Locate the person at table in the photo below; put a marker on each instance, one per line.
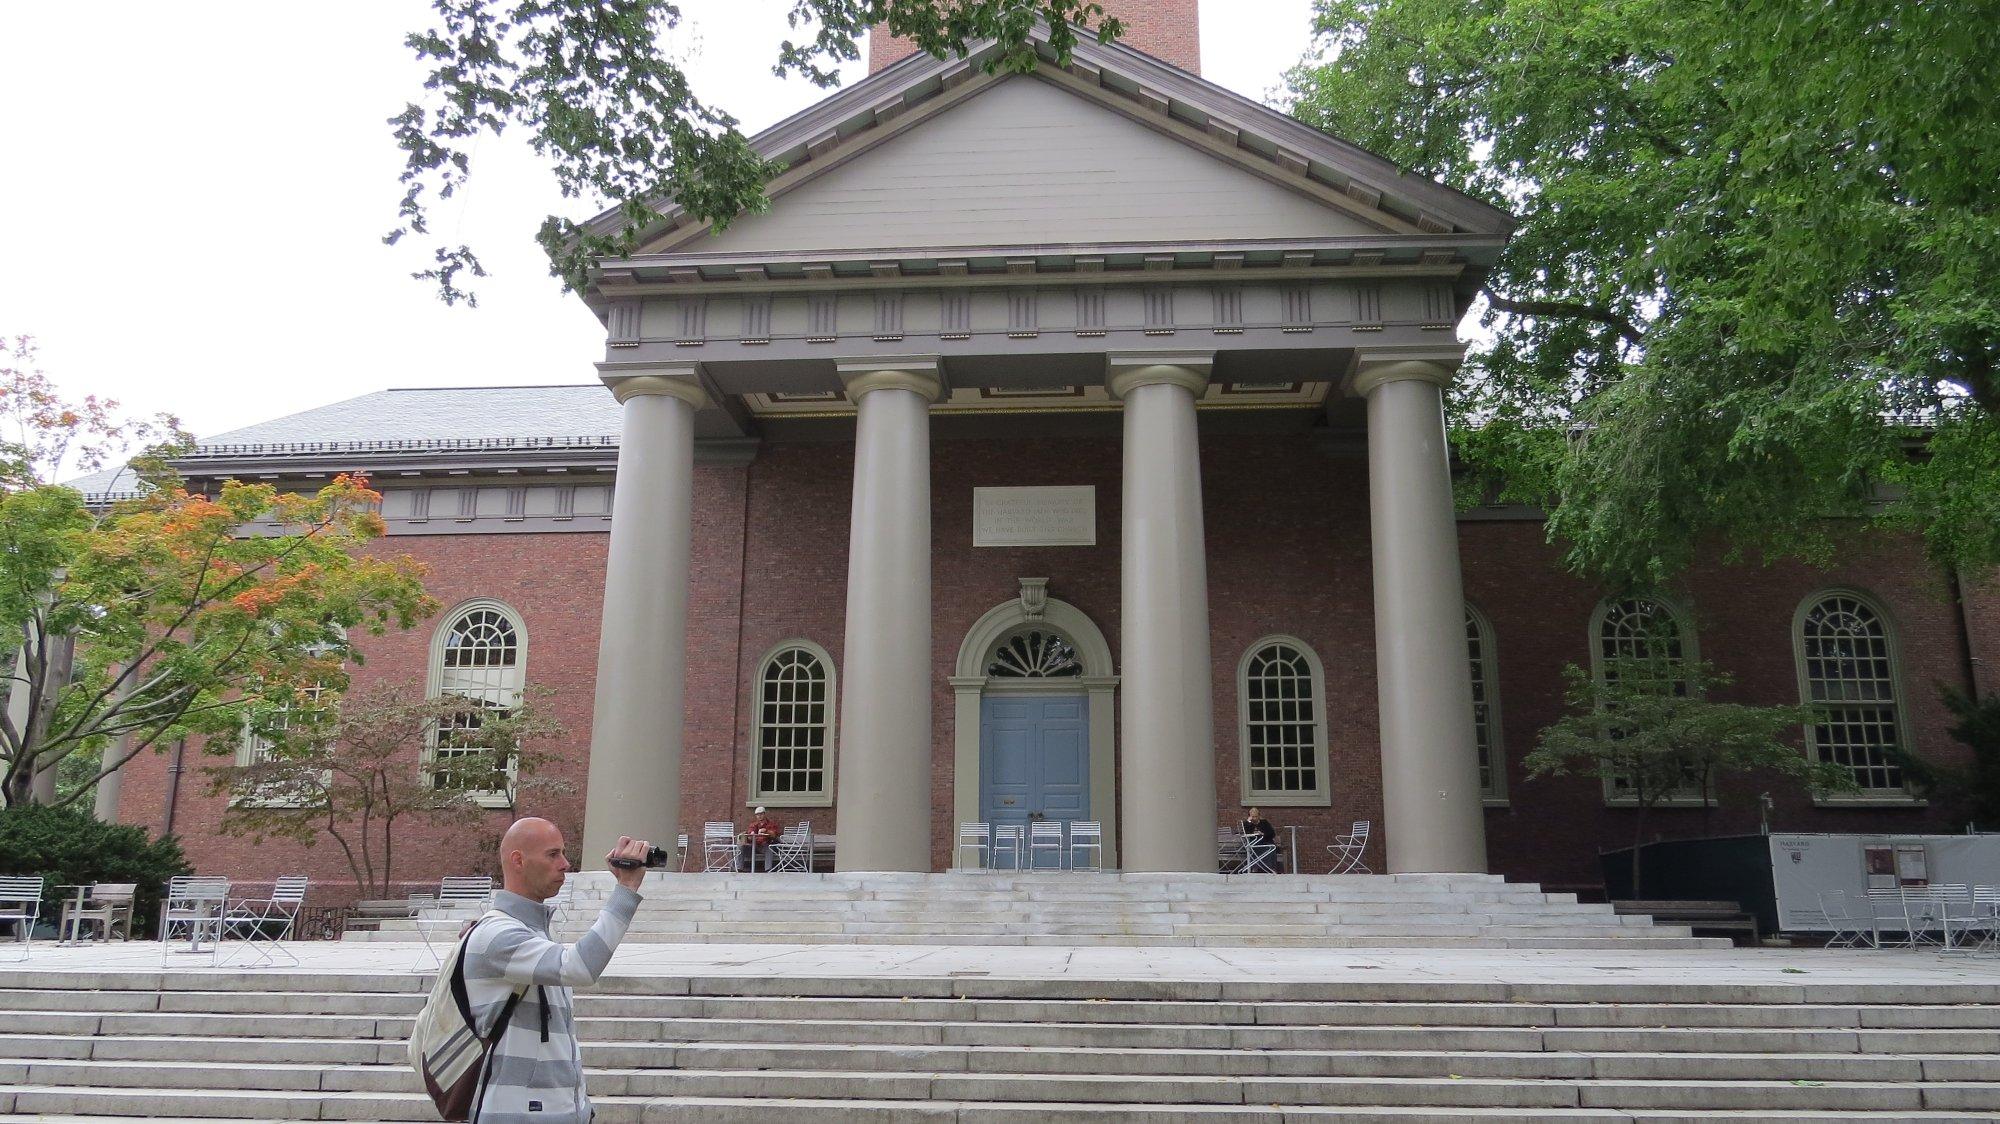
(757, 840)
(1263, 841)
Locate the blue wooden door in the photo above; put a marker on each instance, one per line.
(1034, 759)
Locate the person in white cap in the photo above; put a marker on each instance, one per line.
(763, 832)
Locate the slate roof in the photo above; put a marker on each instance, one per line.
(440, 414)
(496, 419)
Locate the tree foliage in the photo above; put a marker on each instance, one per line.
(148, 619)
(592, 85)
(1650, 726)
(1756, 250)
(354, 769)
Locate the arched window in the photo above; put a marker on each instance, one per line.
(479, 654)
(1281, 724)
(1037, 652)
(1485, 706)
(794, 759)
(1847, 670)
(1652, 638)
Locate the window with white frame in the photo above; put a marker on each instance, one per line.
(1847, 672)
(1281, 691)
(1485, 706)
(795, 693)
(1643, 636)
(480, 656)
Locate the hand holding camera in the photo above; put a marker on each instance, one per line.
(631, 857)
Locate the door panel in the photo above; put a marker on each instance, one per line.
(1034, 759)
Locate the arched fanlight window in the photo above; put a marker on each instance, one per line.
(479, 654)
(794, 757)
(1039, 652)
(1480, 656)
(1847, 671)
(1281, 724)
(1649, 637)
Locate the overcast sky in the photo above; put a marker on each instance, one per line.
(195, 196)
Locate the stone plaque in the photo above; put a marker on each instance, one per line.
(1034, 516)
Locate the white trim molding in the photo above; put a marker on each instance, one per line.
(1866, 798)
(1321, 794)
(824, 797)
(1099, 682)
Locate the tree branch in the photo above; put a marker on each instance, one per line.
(1626, 329)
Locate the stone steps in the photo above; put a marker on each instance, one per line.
(296, 1045)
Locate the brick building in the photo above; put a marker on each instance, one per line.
(1064, 445)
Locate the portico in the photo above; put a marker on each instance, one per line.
(1284, 273)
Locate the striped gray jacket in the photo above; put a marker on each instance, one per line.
(537, 1070)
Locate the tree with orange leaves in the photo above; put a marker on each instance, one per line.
(169, 614)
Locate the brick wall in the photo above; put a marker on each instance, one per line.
(1288, 552)
(1168, 30)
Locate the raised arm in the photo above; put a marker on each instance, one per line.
(522, 956)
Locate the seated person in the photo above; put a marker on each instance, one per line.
(763, 832)
(1263, 841)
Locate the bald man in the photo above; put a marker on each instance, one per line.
(536, 1073)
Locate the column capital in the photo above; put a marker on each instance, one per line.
(1378, 367)
(674, 380)
(923, 375)
(1126, 372)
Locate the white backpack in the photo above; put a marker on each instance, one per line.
(445, 1049)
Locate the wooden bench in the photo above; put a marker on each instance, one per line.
(1722, 917)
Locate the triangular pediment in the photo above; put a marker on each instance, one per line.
(1025, 162)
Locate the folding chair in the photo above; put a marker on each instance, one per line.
(460, 898)
(718, 847)
(1085, 835)
(1350, 851)
(1007, 838)
(1258, 856)
(196, 905)
(21, 905)
(263, 923)
(977, 838)
(1045, 835)
(1228, 850)
(1985, 919)
(792, 852)
(682, 846)
(107, 904)
(1849, 931)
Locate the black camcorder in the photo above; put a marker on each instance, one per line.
(657, 858)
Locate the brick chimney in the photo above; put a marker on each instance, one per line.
(1168, 30)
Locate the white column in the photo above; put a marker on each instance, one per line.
(883, 801)
(1435, 821)
(1168, 735)
(636, 730)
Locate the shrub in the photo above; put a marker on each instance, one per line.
(70, 847)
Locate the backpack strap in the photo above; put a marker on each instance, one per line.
(491, 1042)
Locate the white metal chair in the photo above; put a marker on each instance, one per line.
(1350, 851)
(977, 838)
(682, 847)
(21, 905)
(1228, 850)
(195, 904)
(1908, 910)
(1045, 835)
(263, 923)
(1085, 835)
(792, 852)
(460, 898)
(1008, 840)
(1259, 857)
(1849, 931)
(718, 847)
(108, 905)
(1985, 919)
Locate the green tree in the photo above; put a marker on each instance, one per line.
(1650, 726)
(590, 83)
(149, 618)
(357, 768)
(1755, 259)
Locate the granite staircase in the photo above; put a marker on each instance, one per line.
(271, 1045)
(1006, 908)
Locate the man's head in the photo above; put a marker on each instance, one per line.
(532, 859)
